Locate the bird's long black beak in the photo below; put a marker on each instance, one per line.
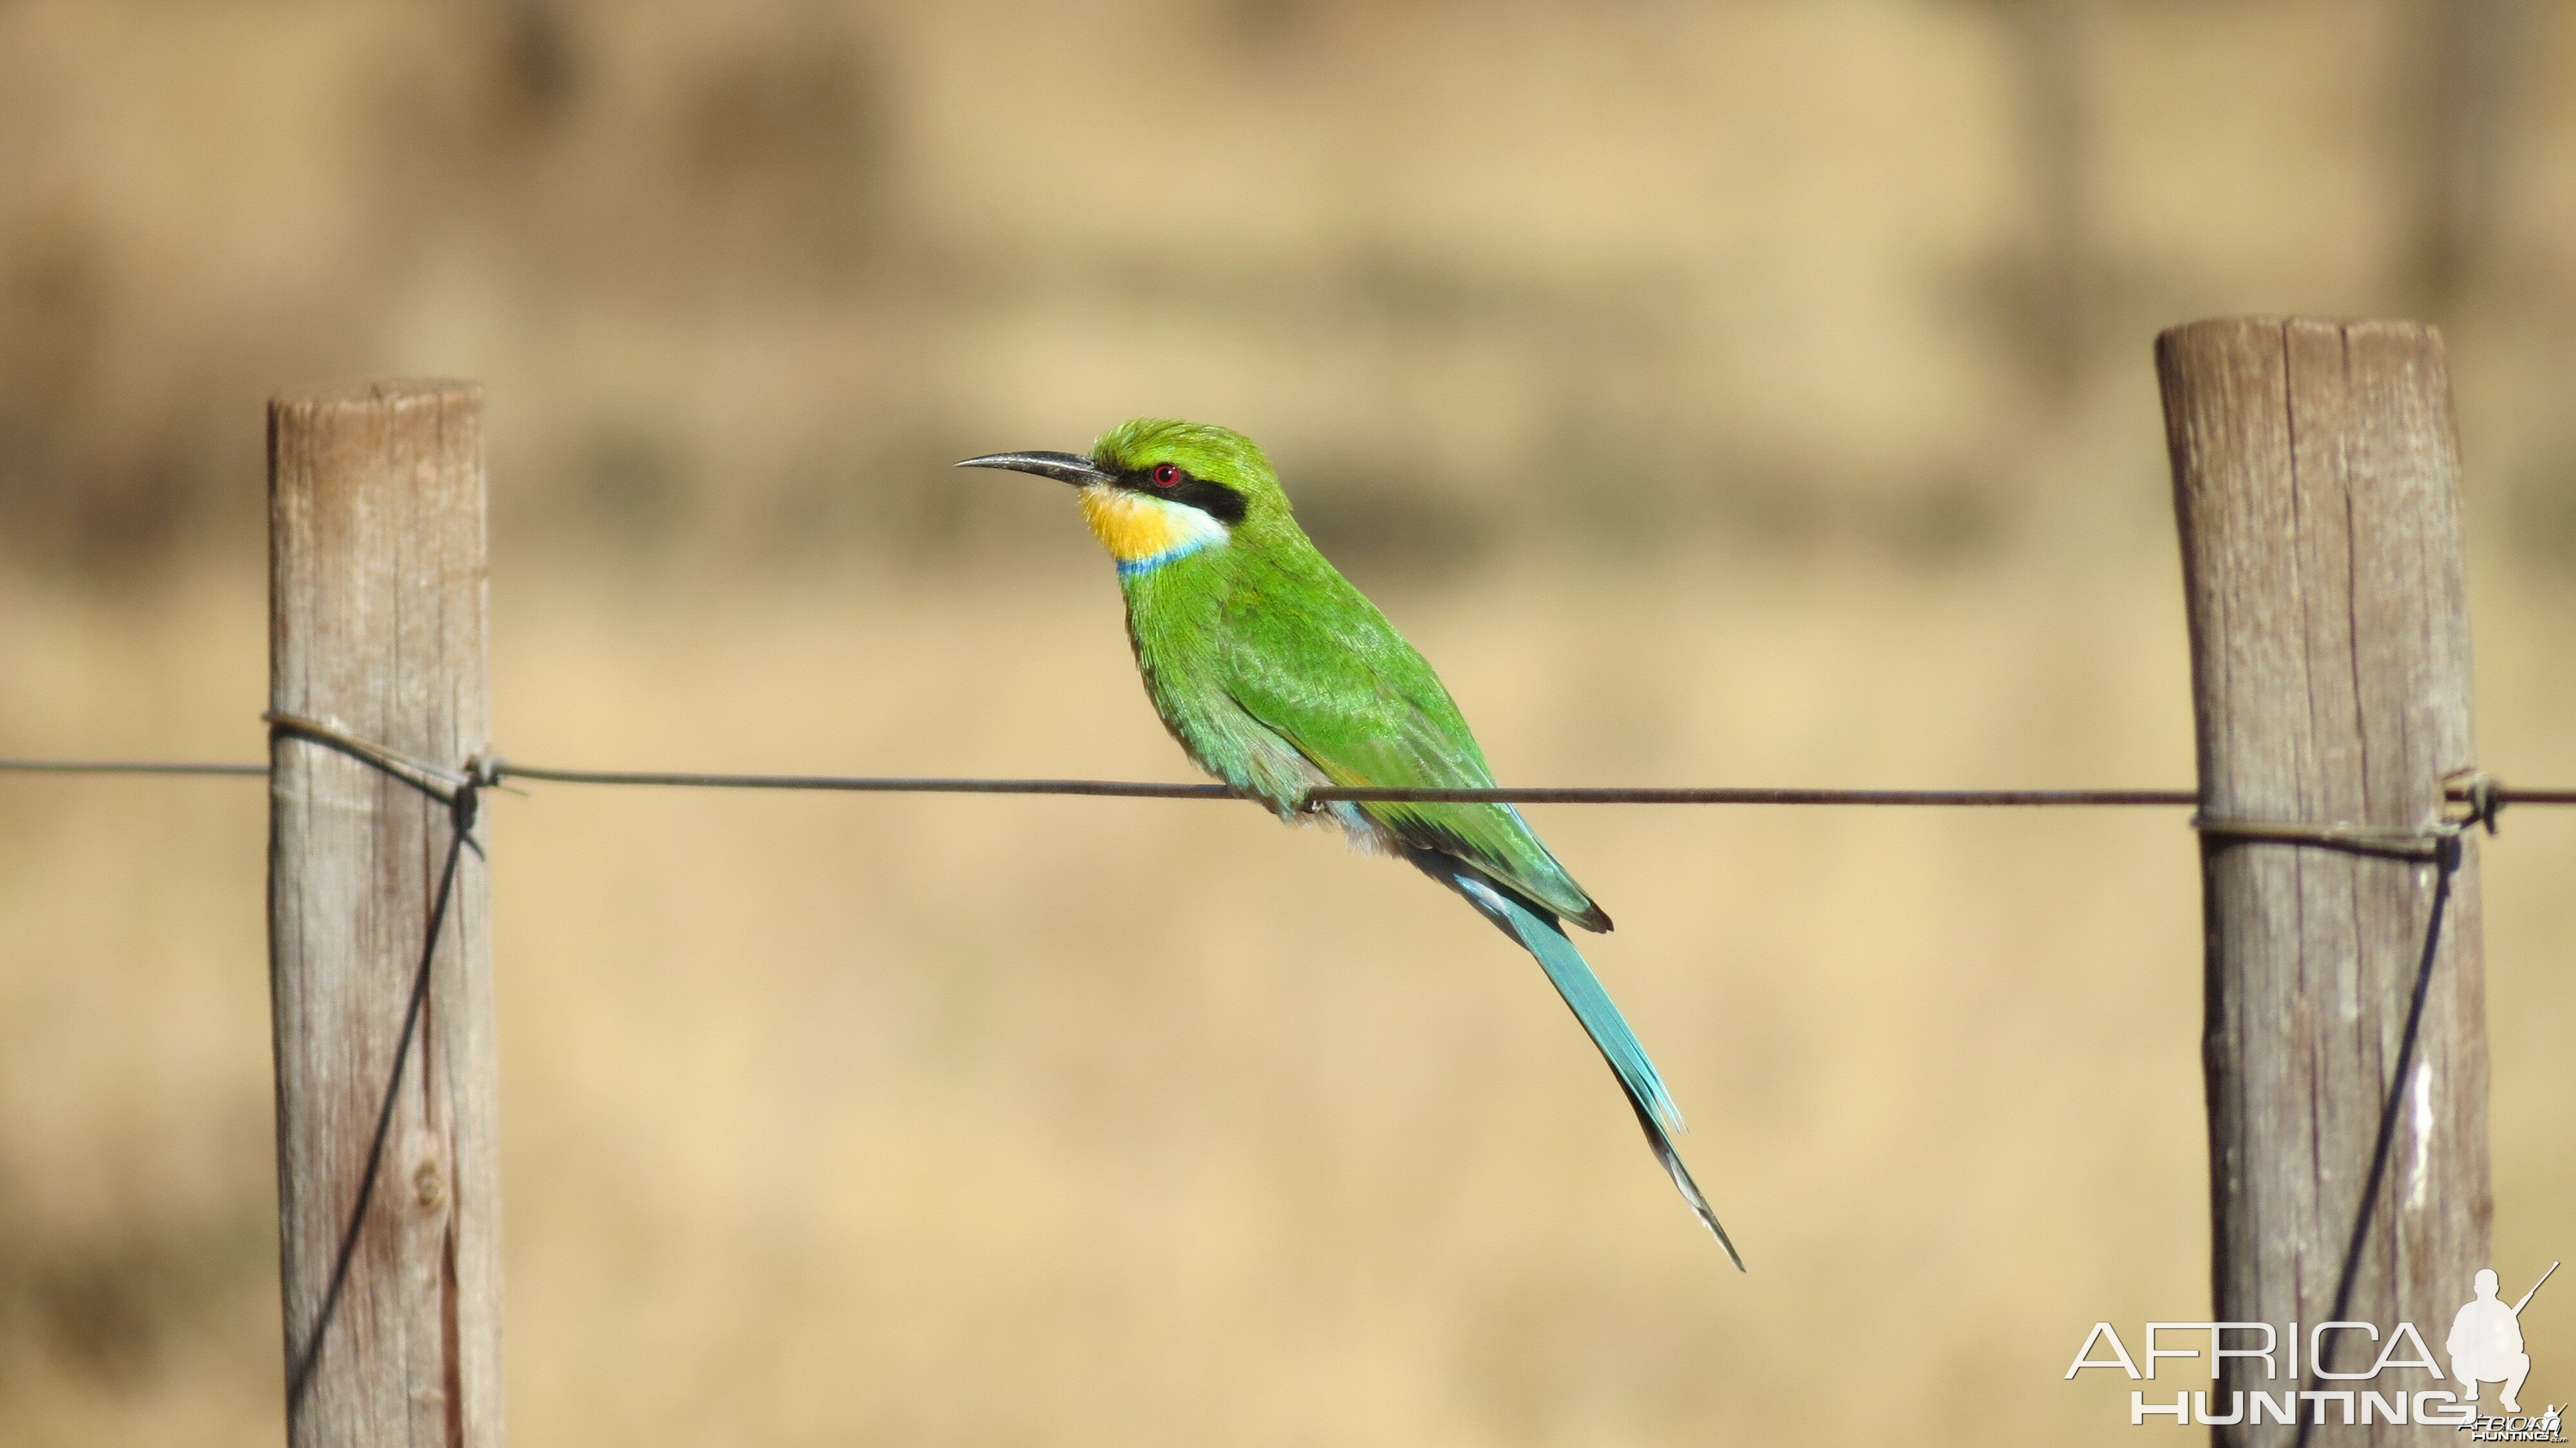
(1063, 467)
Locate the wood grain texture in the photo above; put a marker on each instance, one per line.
(377, 623)
(2316, 479)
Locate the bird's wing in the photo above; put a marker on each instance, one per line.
(1343, 687)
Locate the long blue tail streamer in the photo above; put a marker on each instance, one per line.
(1539, 934)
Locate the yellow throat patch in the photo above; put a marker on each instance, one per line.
(1142, 531)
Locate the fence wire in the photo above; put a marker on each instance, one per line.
(2438, 842)
(496, 770)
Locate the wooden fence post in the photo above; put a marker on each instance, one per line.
(388, 1172)
(2316, 479)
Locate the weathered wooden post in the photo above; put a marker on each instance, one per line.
(388, 1168)
(2316, 478)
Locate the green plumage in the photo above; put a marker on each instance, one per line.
(1277, 676)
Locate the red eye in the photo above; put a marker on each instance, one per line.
(1166, 475)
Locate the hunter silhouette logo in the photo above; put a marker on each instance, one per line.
(2486, 1341)
(2341, 1372)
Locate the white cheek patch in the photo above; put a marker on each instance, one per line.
(1144, 532)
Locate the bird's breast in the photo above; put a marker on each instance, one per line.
(1144, 532)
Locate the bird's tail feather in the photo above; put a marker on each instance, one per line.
(1539, 933)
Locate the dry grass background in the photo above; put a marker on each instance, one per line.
(1715, 393)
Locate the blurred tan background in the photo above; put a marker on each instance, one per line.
(1743, 393)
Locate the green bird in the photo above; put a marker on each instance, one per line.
(1277, 676)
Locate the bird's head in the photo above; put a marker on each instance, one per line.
(1155, 490)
